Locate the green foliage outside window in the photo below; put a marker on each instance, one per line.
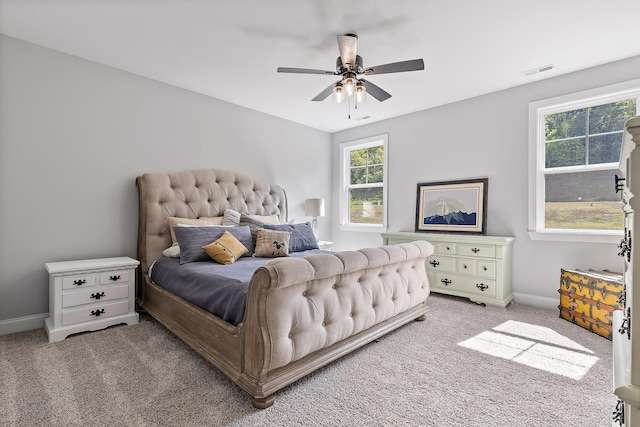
(366, 169)
(585, 136)
(581, 137)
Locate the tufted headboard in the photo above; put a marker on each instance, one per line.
(195, 194)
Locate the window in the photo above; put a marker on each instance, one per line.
(575, 146)
(363, 184)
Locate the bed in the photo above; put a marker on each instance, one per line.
(301, 312)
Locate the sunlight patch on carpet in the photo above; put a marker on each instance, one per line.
(534, 346)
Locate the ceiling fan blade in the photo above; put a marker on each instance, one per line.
(375, 91)
(304, 71)
(396, 67)
(323, 95)
(348, 43)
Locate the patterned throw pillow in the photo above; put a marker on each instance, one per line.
(271, 243)
(226, 250)
(302, 237)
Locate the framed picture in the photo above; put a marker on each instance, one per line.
(453, 206)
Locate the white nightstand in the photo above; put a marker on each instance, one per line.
(90, 294)
(324, 245)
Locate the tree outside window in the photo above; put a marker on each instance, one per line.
(582, 150)
(363, 190)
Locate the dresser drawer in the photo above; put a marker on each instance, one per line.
(487, 251)
(486, 269)
(98, 311)
(469, 285)
(75, 282)
(441, 263)
(90, 296)
(119, 276)
(445, 248)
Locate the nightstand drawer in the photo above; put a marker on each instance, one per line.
(488, 251)
(75, 282)
(90, 296)
(110, 277)
(94, 312)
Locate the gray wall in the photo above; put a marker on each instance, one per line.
(75, 134)
(486, 136)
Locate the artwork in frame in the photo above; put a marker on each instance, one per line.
(453, 206)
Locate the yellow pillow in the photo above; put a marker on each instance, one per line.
(272, 243)
(226, 250)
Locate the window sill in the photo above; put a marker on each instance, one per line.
(579, 236)
(363, 228)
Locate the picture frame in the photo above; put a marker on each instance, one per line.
(452, 206)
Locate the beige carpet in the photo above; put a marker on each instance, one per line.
(465, 366)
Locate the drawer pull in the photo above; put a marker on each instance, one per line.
(434, 262)
(475, 250)
(448, 248)
(618, 181)
(625, 328)
(484, 268)
(445, 281)
(622, 299)
(482, 286)
(79, 282)
(114, 278)
(97, 313)
(618, 414)
(464, 265)
(97, 295)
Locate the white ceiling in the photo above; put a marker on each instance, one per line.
(230, 50)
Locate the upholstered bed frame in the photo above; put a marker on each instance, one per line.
(301, 313)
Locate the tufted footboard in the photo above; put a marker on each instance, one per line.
(304, 313)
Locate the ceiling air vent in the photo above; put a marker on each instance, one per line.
(538, 70)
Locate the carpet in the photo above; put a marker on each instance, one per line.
(466, 365)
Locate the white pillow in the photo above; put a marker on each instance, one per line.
(172, 251)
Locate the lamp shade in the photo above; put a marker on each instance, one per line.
(314, 207)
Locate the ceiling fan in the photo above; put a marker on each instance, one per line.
(350, 66)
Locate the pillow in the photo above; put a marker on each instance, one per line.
(257, 221)
(226, 250)
(231, 218)
(172, 221)
(172, 251)
(302, 237)
(192, 239)
(267, 219)
(272, 243)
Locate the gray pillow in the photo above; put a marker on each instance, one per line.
(302, 237)
(192, 239)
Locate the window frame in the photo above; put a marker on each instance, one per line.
(345, 162)
(537, 111)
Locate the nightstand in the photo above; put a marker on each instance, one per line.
(91, 294)
(324, 245)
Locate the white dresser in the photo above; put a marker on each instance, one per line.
(91, 294)
(626, 322)
(471, 266)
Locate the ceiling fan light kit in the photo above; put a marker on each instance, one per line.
(349, 66)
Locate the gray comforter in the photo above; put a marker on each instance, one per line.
(219, 289)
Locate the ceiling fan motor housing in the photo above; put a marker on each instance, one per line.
(358, 68)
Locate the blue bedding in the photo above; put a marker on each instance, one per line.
(219, 289)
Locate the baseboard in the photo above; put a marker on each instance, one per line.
(21, 324)
(536, 301)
